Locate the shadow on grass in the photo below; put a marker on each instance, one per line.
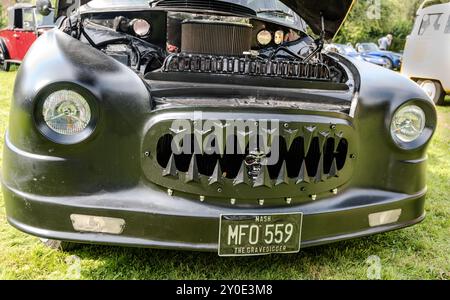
(446, 102)
(311, 263)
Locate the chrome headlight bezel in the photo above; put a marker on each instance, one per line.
(278, 37)
(268, 35)
(55, 136)
(136, 23)
(428, 128)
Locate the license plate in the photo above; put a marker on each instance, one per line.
(249, 235)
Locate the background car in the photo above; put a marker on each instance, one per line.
(348, 50)
(427, 58)
(24, 27)
(394, 60)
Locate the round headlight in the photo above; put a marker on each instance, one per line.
(264, 37)
(279, 37)
(66, 112)
(141, 27)
(408, 124)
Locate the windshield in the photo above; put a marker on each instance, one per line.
(346, 49)
(43, 21)
(273, 10)
(369, 47)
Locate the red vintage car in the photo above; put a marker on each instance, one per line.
(25, 25)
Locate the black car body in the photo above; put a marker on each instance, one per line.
(351, 137)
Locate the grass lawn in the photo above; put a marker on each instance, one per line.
(420, 252)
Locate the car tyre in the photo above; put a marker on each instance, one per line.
(434, 90)
(4, 66)
(389, 63)
(60, 245)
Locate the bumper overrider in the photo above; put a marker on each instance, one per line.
(125, 184)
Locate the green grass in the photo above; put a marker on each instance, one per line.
(420, 252)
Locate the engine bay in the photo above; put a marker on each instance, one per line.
(194, 42)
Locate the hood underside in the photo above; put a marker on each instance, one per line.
(334, 12)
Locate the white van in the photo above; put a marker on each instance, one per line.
(427, 52)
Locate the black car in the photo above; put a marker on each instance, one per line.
(210, 125)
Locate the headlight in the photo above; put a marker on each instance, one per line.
(66, 112)
(408, 124)
(279, 37)
(140, 27)
(264, 37)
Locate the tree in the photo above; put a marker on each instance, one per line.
(371, 19)
(2, 17)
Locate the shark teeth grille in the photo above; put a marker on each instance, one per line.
(312, 157)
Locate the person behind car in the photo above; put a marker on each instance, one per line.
(385, 42)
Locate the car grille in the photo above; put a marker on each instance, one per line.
(314, 158)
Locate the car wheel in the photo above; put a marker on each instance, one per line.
(4, 66)
(60, 245)
(434, 90)
(389, 63)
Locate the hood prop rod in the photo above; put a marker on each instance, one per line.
(319, 42)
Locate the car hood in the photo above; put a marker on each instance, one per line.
(372, 58)
(382, 52)
(393, 53)
(333, 11)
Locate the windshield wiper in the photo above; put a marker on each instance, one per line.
(276, 12)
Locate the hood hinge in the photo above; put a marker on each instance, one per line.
(320, 42)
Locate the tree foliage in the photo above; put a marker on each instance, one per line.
(2, 17)
(371, 19)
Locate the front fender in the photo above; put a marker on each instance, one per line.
(4, 45)
(381, 162)
(123, 101)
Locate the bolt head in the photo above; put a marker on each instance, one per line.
(288, 200)
(334, 191)
(314, 197)
(169, 192)
(233, 201)
(202, 198)
(261, 202)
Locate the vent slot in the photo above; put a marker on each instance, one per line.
(235, 65)
(207, 5)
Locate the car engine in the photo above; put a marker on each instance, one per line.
(186, 42)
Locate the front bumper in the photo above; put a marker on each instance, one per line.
(154, 219)
(42, 205)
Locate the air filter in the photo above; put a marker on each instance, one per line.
(215, 37)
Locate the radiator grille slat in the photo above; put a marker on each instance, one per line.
(233, 65)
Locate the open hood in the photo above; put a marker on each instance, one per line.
(333, 11)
